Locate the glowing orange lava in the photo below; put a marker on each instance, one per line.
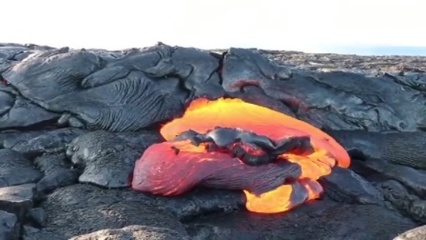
(175, 167)
(203, 115)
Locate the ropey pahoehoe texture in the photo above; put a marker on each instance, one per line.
(73, 122)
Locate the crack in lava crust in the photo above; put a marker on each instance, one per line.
(177, 166)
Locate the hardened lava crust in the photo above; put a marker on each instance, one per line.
(73, 122)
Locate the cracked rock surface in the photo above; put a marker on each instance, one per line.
(16, 169)
(74, 121)
(108, 158)
(18, 199)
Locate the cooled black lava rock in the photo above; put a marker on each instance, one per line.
(410, 177)
(183, 207)
(44, 75)
(16, 169)
(9, 52)
(38, 217)
(10, 138)
(31, 233)
(52, 141)
(133, 89)
(408, 203)
(346, 186)
(18, 199)
(14, 111)
(415, 80)
(385, 146)
(256, 95)
(9, 226)
(194, 67)
(336, 100)
(58, 172)
(247, 67)
(198, 202)
(108, 158)
(49, 163)
(316, 220)
(56, 179)
(116, 95)
(82, 209)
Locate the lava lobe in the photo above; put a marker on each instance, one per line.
(231, 144)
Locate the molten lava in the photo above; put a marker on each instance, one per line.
(177, 166)
(203, 115)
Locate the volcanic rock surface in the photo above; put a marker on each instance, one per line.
(73, 123)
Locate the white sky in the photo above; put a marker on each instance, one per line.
(305, 25)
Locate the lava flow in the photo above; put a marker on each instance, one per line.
(177, 166)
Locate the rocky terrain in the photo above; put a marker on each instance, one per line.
(74, 121)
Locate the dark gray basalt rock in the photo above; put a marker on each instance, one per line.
(9, 51)
(48, 147)
(16, 169)
(49, 163)
(14, 110)
(10, 138)
(16, 114)
(44, 74)
(256, 95)
(58, 178)
(82, 209)
(74, 210)
(410, 177)
(336, 100)
(374, 145)
(4, 65)
(398, 195)
(9, 226)
(38, 217)
(183, 207)
(31, 233)
(316, 220)
(246, 67)
(58, 172)
(196, 68)
(160, 79)
(18, 199)
(379, 152)
(52, 141)
(344, 185)
(198, 202)
(109, 95)
(115, 215)
(108, 158)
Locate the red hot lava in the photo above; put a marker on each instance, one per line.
(177, 166)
